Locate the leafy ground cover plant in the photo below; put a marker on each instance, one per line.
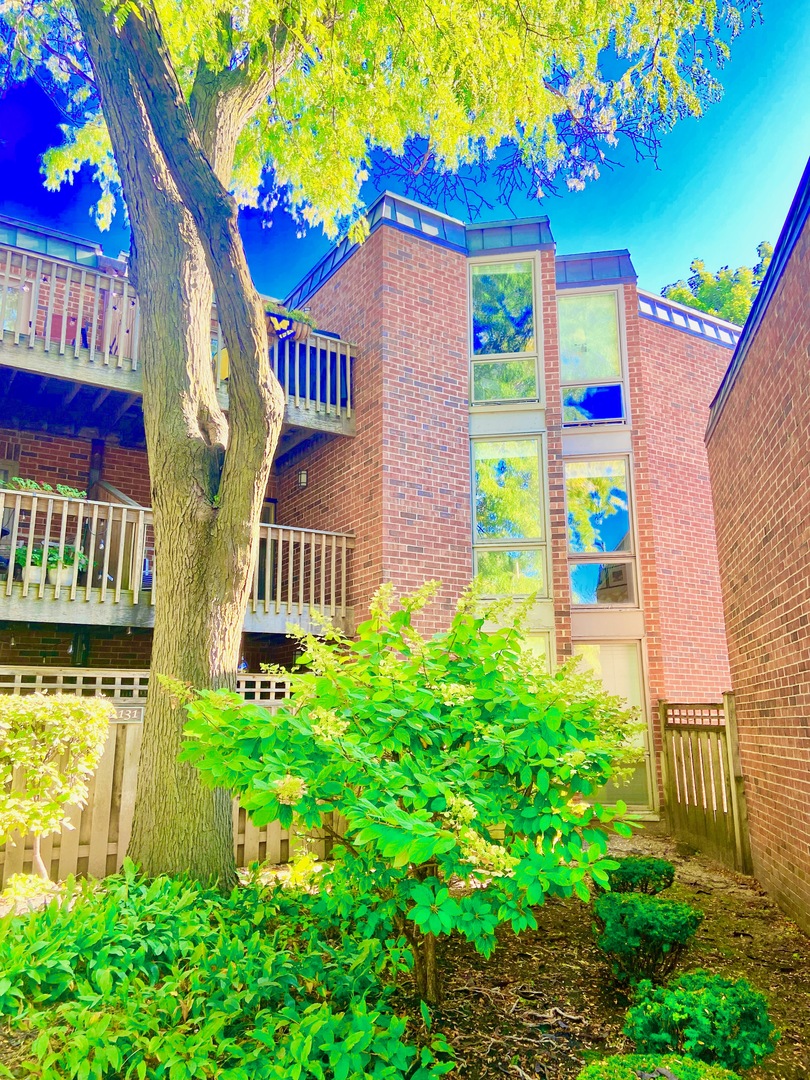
(50, 746)
(644, 936)
(641, 874)
(709, 1017)
(651, 1067)
(166, 979)
(463, 772)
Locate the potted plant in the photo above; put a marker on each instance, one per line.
(61, 570)
(56, 569)
(284, 324)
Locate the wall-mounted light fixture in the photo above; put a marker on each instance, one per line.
(302, 478)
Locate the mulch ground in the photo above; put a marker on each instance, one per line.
(544, 1003)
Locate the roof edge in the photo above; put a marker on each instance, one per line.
(795, 221)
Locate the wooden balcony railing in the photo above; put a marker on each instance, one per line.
(77, 558)
(85, 321)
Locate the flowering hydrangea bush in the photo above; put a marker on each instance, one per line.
(50, 746)
(464, 776)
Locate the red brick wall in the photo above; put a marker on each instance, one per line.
(402, 485)
(48, 645)
(759, 455)
(128, 470)
(673, 379)
(50, 459)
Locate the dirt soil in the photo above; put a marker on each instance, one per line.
(545, 1003)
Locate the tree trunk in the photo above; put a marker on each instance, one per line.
(208, 473)
(36, 859)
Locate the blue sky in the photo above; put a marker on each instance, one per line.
(723, 182)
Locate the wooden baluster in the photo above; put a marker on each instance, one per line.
(45, 546)
(333, 578)
(94, 329)
(279, 561)
(328, 353)
(122, 333)
(119, 566)
(323, 573)
(268, 569)
(301, 578)
(313, 552)
(4, 293)
(290, 569)
(49, 314)
(77, 544)
(91, 554)
(107, 544)
(276, 349)
(77, 344)
(317, 359)
(30, 545)
(136, 334)
(32, 328)
(20, 296)
(108, 318)
(295, 347)
(307, 374)
(66, 311)
(137, 558)
(343, 550)
(348, 362)
(15, 514)
(60, 555)
(254, 589)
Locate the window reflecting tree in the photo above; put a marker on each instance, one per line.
(503, 308)
(507, 489)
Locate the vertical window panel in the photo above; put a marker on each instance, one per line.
(598, 506)
(589, 337)
(507, 489)
(617, 664)
(503, 308)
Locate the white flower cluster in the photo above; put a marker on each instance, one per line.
(455, 693)
(326, 724)
(475, 849)
(290, 790)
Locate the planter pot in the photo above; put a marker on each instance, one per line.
(62, 574)
(302, 330)
(32, 575)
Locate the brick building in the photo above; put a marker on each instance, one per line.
(476, 403)
(758, 443)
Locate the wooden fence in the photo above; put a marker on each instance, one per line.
(97, 840)
(703, 783)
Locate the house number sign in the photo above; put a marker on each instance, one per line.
(129, 714)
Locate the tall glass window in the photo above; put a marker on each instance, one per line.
(590, 358)
(600, 539)
(504, 343)
(510, 556)
(618, 665)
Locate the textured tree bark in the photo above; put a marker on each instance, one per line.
(208, 472)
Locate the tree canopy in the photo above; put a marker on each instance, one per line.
(437, 87)
(727, 293)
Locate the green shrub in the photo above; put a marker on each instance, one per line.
(636, 1066)
(453, 760)
(50, 746)
(706, 1016)
(644, 936)
(641, 875)
(164, 979)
